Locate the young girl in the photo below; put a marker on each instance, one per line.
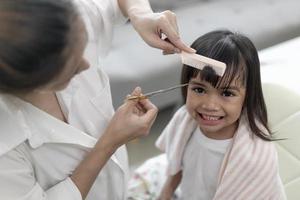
(218, 145)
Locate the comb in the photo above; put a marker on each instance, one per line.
(199, 62)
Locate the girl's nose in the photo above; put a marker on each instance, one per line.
(211, 104)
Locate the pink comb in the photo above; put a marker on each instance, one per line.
(199, 62)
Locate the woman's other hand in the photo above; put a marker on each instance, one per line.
(132, 120)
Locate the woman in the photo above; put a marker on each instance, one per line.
(60, 137)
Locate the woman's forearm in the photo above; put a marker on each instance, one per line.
(87, 171)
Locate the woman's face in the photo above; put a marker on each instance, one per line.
(76, 62)
(216, 110)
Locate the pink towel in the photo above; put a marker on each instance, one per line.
(250, 167)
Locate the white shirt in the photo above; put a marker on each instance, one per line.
(201, 162)
(38, 153)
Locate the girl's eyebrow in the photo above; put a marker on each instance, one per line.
(231, 88)
(197, 83)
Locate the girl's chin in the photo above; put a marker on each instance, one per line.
(61, 86)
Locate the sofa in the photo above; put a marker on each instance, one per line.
(281, 86)
(131, 62)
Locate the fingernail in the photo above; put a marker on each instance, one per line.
(138, 89)
(193, 50)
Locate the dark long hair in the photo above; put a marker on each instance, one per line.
(241, 58)
(34, 35)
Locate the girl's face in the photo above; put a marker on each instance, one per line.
(216, 110)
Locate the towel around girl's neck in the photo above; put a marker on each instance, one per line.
(250, 166)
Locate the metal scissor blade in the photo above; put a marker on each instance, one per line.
(150, 94)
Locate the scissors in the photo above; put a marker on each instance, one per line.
(151, 94)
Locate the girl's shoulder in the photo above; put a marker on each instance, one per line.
(177, 130)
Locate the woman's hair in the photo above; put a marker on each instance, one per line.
(34, 36)
(241, 59)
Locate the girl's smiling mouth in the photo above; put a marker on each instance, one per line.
(210, 119)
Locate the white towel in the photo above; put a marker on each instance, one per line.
(250, 167)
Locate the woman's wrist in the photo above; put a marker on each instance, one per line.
(137, 12)
(106, 144)
(88, 169)
(135, 8)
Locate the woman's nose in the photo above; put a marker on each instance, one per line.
(85, 64)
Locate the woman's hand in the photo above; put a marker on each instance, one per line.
(131, 120)
(152, 27)
(158, 30)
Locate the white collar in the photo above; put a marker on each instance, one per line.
(21, 121)
(12, 131)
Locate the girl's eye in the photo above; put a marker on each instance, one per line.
(227, 93)
(198, 90)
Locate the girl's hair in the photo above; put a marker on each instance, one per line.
(34, 36)
(241, 58)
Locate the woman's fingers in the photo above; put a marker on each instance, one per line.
(151, 26)
(150, 111)
(168, 26)
(132, 119)
(156, 41)
(137, 91)
(147, 110)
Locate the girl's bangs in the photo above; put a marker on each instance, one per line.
(226, 52)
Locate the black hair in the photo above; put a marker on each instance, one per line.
(34, 35)
(242, 62)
